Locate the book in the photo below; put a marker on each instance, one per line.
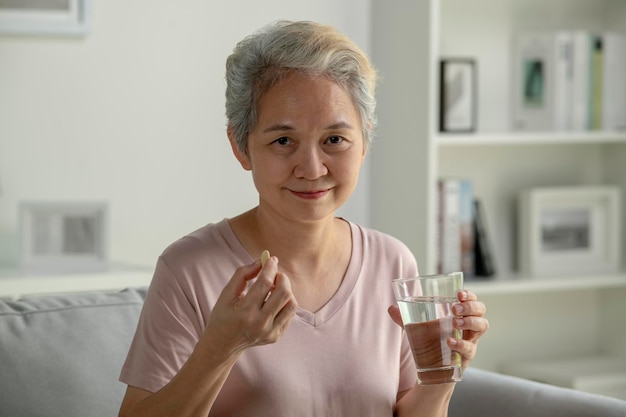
(613, 98)
(449, 254)
(582, 42)
(542, 74)
(596, 87)
(484, 264)
(466, 228)
(455, 226)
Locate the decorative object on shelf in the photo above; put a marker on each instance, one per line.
(457, 95)
(569, 231)
(64, 236)
(36, 17)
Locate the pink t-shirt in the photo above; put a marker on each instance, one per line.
(347, 359)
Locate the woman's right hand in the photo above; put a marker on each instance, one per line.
(241, 319)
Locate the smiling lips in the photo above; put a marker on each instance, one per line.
(311, 195)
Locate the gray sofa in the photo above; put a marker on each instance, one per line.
(60, 355)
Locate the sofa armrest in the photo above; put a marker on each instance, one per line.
(488, 394)
(61, 354)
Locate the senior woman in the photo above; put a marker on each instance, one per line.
(315, 334)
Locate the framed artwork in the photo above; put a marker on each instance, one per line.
(457, 95)
(64, 236)
(45, 17)
(570, 231)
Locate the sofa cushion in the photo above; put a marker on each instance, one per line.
(488, 394)
(61, 354)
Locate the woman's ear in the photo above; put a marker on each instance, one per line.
(242, 156)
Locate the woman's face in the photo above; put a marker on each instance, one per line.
(306, 150)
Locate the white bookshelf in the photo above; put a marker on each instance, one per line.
(528, 139)
(531, 319)
(523, 285)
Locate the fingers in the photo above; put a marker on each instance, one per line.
(465, 348)
(264, 284)
(394, 312)
(283, 301)
(469, 317)
(269, 304)
(279, 295)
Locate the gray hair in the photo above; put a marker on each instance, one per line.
(265, 58)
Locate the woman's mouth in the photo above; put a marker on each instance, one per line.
(311, 195)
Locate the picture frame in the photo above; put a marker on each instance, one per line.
(61, 237)
(566, 231)
(457, 95)
(36, 17)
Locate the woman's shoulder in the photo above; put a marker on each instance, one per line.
(209, 241)
(382, 254)
(378, 243)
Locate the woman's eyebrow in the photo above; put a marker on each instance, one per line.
(339, 125)
(281, 127)
(277, 128)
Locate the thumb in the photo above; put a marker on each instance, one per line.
(394, 312)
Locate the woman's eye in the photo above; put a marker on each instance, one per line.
(335, 139)
(284, 140)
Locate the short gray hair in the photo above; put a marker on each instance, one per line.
(265, 58)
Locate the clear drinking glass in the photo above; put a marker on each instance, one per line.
(426, 305)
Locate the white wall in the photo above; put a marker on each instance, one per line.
(134, 114)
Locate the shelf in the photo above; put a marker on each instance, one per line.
(529, 138)
(525, 285)
(14, 283)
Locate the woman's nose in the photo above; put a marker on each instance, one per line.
(310, 163)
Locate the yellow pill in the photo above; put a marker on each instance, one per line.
(264, 257)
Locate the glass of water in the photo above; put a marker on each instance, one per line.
(426, 305)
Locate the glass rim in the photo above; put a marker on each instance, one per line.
(426, 277)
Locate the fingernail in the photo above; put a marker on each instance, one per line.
(464, 295)
(454, 342)
(458, 309)
(459, 322)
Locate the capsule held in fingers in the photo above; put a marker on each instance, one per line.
(265, 255)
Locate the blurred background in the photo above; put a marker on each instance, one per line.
(132, 114)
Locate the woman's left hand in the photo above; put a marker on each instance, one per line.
(469, 317)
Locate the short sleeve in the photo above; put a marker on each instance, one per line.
(169, 327)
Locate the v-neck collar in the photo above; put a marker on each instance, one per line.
(338, 299)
